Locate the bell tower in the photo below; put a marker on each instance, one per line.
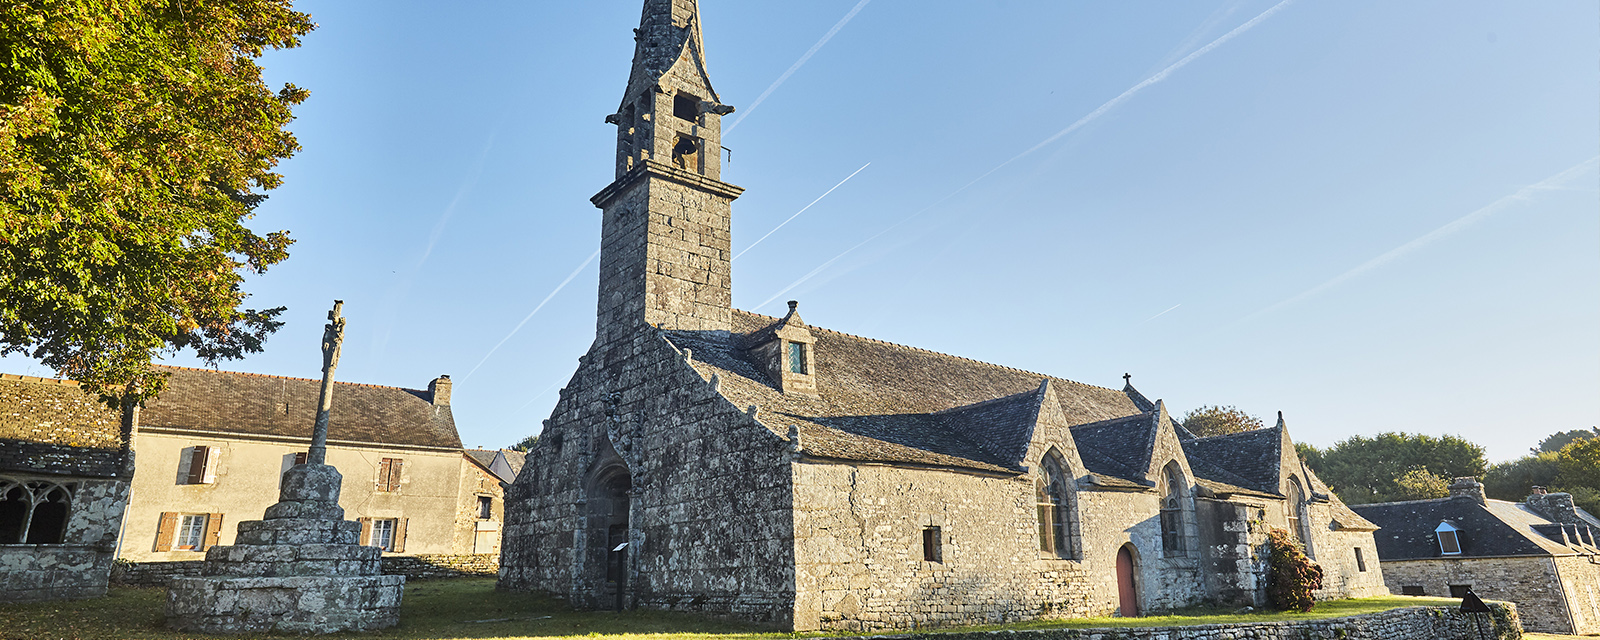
(665, 234)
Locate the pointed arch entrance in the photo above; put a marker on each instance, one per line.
(609, 501)
(1127, 585)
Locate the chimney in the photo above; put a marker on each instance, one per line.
(1468, 487)
(439, 389)
(1555, 507)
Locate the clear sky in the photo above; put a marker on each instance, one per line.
(1370, 215)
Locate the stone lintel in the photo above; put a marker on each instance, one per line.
(668, 172)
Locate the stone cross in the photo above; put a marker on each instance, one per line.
(332, 339)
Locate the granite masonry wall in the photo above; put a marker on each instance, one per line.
(78, 567)
(1529, 582)
(418, 567)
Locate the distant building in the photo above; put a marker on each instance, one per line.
(491, 467)
(1540, 553)
(213, 446)
(65, 466)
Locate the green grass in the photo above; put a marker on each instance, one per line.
(471, 608)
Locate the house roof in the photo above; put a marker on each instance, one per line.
(262, 405)
(885, 402)
(1488, 529)
(503, 463)
(52, 426)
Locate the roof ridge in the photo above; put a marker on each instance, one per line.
(35, 379)
(1398, 502)
(937, 353)
(1101, 423)
(268, 375)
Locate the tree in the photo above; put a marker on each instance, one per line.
(1514, 480)
(1419, 484)
(1574, 468)
(136, 137)
(525, 444)
(1556, 441)
(1218, 421)
(1363, 470)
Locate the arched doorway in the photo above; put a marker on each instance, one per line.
(608, 535)
(1127, 588)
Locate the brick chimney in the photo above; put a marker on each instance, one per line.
(1468, 487)
(1555, 507)
(439, 389)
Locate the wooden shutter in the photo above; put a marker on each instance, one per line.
(185, 462)
(396, 466)
(366, 530)
(400, 534)
(383, 473)
(213, 531)
(197, 464)
(165, 528)
(213, 456)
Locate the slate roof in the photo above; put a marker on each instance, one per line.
(262, 405)
(891, 403)
(1494, 528)
(1249, 459)
(52, 426)
(486, 458)
(1119, 447)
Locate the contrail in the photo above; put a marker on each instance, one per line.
(797, 64)
(547, 298)
(1522, 195)
(1160, 314)
(1104, 108)
(803, 210)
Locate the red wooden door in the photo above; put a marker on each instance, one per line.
(1127, 595)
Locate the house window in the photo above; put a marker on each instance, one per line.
(383, 534)
(192, 532)
(1054, 509)
(1460, 590)
(485, 508)
(1172, 511)
(388, 534)
(198, 465)
(187, 531)
(1361, 563)
(1449, 539)
(300, 458)
(797, 358)
(389, 474)
(932, 545)
(1412, 590)
(33, 512)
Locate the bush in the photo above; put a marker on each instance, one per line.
(1291, 576)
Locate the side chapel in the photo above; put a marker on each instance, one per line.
(709, 459)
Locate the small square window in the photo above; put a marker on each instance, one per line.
(1460, 590)
(1361, 563)
(797, 358)
(932, 545)
(485, 507)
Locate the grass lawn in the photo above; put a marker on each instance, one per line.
(471, 608)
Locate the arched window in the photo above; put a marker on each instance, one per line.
(1296, 507)
(1058, 525)
(1172, 510)
(33, 512)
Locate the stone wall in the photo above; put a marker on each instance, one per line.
(154, 574)
(80, 566)
(1529, 582)
(428, 567)
(1414, 623)
(1580, 579)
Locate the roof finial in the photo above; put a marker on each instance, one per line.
(793, 304)
(1127, 378)
(1280, 420)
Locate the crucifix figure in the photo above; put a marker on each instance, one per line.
(332, 338)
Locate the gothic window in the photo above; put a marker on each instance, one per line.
(33, 512)
(797, 358)
(1172, 510)
(1057, 518)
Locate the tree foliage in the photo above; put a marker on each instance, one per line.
(1556, 441)
(525, 444)
(1210, 421)
(136, 137)
(1573, 468)
(1365, 469)
(1420, 484)
(1292, 577)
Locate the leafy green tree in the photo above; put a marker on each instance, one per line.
(1363, 470)
(1579, 473)
(1573, 468)
(1217, 421)
(136, 137)
(1555, 442)
(1419, 484)
(1514, 480)
(525, 444)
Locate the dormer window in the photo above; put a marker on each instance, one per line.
(797, 358)
(1449, 539)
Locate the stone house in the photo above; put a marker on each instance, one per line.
(213, 446)
(1540, 553)
(65, 466)
(482, 487)
(710, 459)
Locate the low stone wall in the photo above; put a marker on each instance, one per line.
(31, 572)
(1414, 623)
(153, 574)
(428, 567)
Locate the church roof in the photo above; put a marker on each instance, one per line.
(52, 426)
(228, 402)
(1249, 459)
(885, 402)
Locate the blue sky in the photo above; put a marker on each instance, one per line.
(1252, 228)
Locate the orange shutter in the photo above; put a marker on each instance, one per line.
(197, 464)
(165, 529)
(213, 531)
(400, 534)
(366, 530)
(383, 473)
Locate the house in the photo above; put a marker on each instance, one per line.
(709, 459)
(213, 446)
(1540, 553)
(482, 485)
(65, 467)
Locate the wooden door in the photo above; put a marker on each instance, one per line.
(1127, 592)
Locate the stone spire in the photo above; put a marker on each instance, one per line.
(665, 235)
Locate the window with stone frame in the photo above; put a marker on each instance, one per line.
(1056, 517)
(34, 511)
(1361, 561)
(932, 544)
(1295, 508)
(1172, 494)
(485, 508)
(797, 358)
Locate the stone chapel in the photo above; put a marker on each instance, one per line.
(704, 458)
